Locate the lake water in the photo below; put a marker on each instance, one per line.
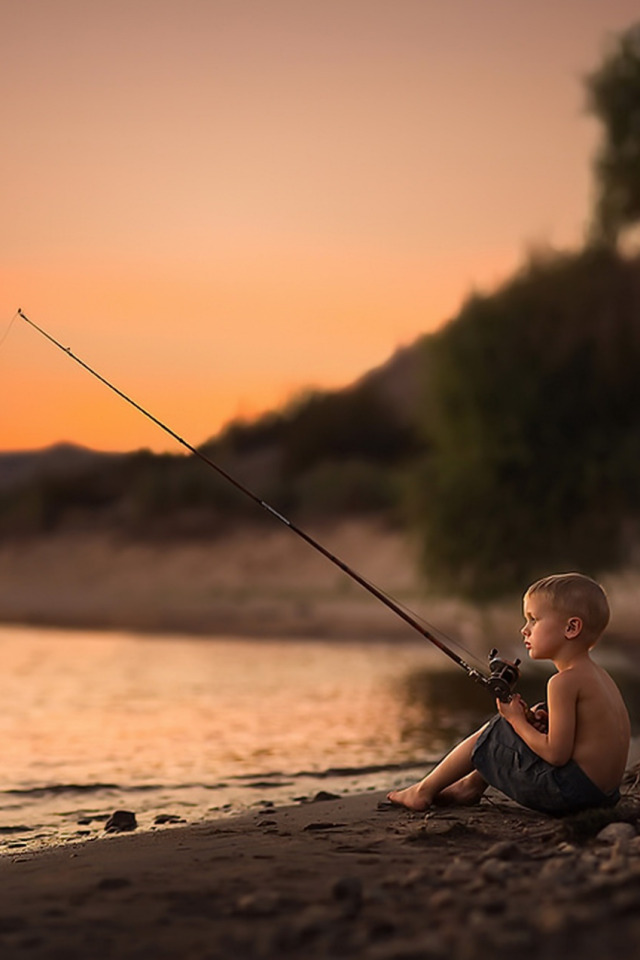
(93, 722)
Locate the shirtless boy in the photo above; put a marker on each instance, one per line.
(575, 755)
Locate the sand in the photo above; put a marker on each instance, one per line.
(341, 877)
(253, 581)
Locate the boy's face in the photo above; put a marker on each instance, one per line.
(545, 630)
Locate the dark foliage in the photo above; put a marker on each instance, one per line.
(533, 413)
(613, 92)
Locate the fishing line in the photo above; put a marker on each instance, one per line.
(503, 674)
(8, 330)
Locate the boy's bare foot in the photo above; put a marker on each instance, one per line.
(463, 793)
(413, 798)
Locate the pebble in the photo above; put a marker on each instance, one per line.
(618, 832)
(439, 826)
(121, 821)
(566, 847)
(323, 795)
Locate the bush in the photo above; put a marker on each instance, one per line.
(533, 416)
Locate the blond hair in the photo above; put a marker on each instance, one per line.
(575, 595)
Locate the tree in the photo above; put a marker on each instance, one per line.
(613, 92)
(532, 414)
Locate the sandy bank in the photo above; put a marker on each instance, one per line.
(338, 877)
(256, 581)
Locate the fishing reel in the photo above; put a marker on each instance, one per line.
(503, 676)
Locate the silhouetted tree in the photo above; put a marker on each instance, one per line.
(614, 98)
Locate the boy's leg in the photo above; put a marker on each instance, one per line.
(454, 780)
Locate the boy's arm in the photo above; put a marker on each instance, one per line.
(555, 746)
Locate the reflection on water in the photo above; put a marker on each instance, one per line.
(81, 708)
(442, 706)
(95, 721)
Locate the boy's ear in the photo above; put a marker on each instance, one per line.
(573, 628)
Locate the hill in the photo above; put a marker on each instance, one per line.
(61, 460)
(331, 453)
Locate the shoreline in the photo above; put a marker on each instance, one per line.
(256, 582)
(340, 876)
(253, 582)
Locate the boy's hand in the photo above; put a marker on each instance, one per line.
(540, 717)
(515, 709)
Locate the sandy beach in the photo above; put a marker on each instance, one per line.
(336, 877)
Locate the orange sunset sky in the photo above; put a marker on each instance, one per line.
(218, 203)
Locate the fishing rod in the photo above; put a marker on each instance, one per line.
(503, 674)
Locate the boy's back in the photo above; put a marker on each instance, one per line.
(602, 731)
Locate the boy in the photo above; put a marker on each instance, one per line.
(568, 759)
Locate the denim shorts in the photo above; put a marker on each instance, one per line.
(505, 761)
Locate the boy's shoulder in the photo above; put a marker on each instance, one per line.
(574, 678)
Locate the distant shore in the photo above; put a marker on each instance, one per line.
(251, 582)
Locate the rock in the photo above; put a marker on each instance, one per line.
(440, 828)
(566, 848)
(168, 818)
(618, 832)
(322, 795)
(121, 821)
